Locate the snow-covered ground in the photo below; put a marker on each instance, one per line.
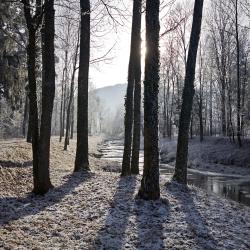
(213, 154)
(99, 210)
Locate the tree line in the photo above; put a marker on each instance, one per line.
(178, 99)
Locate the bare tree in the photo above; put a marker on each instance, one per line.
(71, 95)
(82, 160)
(180, 174)
(150, 189)
(132, 99)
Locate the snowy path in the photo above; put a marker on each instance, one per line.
(98, 210)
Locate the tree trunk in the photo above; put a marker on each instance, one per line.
(82, 160)
(150, 189)
(129, 100)
(61, 108)
(71, 97)
(180, 174)
(31, 63)
(72, 119)
(137, 88)
(48, 94)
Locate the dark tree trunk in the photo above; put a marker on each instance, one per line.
(41, 146)
(48, 94)
(31, 63)
(32, 25)
(129, 100)
(150, 189)
(137, 89)
(72, 119)
(65, 95)
(180, 174)
(71, 97)
(82, 160)
(61, 108)
(55, 118)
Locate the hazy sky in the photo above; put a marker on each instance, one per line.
(114, 71)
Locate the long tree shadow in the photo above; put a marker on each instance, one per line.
(13, 164)
(13, 208)
(196, 222)
(150, 218)
(112, 233)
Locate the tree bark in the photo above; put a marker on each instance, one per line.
(61, 108)
(180, 174)
(129, 99)
(71, 97)
(31, 63)
(72, 119)
(82, 160)
(48, 94)
(137, 89)
(150, 189)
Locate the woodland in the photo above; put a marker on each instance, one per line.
(164, 164)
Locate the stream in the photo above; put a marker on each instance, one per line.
(234, 187)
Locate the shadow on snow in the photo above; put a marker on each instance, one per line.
(13, 208)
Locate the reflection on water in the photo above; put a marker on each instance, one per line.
(232, 187)
(235, 188)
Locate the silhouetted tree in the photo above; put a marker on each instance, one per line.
(48, 94)
(180, 174)
(41, 143)
(150, 189)
(81, 160)
(134, 76)
(137, 90)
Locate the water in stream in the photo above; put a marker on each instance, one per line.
(232, 187)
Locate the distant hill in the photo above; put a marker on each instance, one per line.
(112, 97)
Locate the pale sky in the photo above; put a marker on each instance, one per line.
(115, 71)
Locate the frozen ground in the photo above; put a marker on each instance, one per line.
(98, 210)
(213, 154)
